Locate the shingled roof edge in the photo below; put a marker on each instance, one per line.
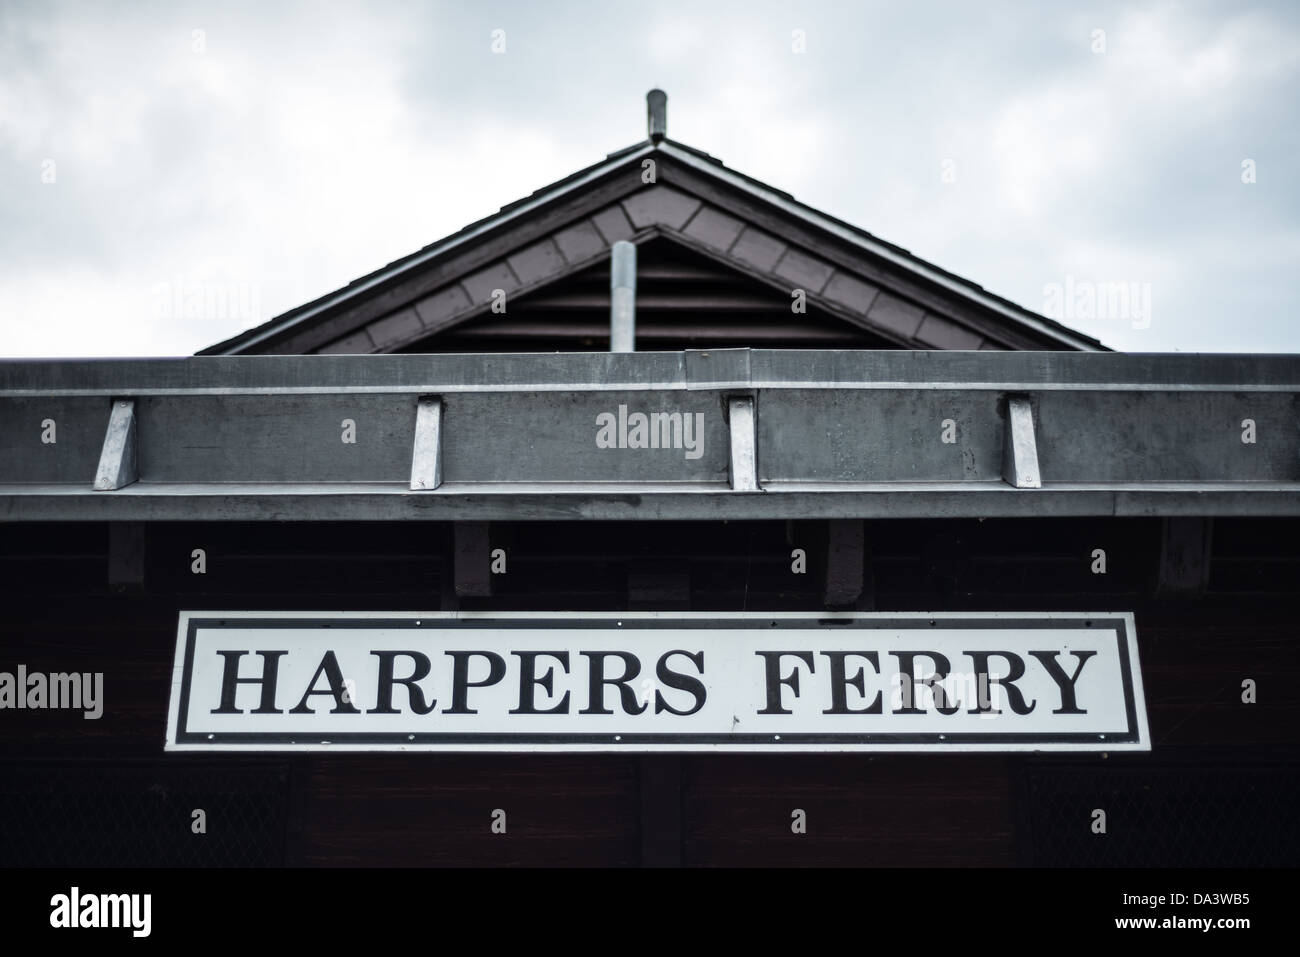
(707, 165)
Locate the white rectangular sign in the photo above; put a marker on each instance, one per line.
(656, 681)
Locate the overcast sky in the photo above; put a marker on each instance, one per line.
(173, 173)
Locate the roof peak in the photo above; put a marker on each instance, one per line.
(733, 199)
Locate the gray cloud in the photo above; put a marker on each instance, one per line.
(288, 149)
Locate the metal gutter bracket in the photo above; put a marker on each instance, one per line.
(1019, 449)
(426, 452)
(744, 443)
(118, 461)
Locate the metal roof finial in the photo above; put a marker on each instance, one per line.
(657, 114)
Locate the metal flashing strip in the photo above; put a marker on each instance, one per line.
(541, 502)
(836, 370)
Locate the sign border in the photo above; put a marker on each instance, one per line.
(1135, 738)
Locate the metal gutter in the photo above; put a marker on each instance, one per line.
(700, 434)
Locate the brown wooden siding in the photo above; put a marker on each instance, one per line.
(61, 773)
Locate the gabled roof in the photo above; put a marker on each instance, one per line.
(693, 200)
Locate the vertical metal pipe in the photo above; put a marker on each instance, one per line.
(622, 298)
(656, 115)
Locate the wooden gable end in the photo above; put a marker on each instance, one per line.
(685, 300)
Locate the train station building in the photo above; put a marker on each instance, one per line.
(657, 519)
